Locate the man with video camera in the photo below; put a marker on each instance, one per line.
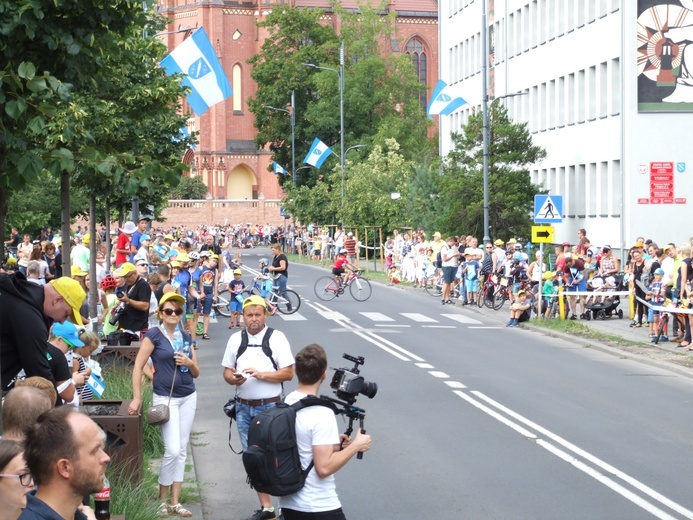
(319, 441)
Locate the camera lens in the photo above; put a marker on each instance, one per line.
(369, 389)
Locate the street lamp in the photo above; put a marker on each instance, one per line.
(340, 75)
(291, 113)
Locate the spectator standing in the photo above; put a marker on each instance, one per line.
(24, 253)
(137, 237)
(123, 248)
(65, 456)
(350, 246)
(258, 378)
(175, 369)
(26, 313)
(15, 480)
(135, 296)
(280, 268)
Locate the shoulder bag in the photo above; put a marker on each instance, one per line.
(159, 413)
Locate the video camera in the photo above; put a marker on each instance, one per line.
(347, 385)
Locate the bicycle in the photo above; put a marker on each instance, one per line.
(329, 287)
(288, 303)
(664, 318)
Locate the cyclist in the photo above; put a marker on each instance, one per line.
(341, 264)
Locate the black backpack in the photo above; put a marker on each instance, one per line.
(272, 461)
(265, 345)
(439, 261)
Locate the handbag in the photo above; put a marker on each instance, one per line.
(159, 413)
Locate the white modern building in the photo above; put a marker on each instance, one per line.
(605, 89)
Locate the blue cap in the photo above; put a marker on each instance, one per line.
(659, 271)
(145, 236)
(68, 331)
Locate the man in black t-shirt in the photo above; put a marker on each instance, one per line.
(280, 268)
(135, 295)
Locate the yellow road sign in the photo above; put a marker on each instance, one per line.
(542, 234)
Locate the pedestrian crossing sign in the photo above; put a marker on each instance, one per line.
(548, 209)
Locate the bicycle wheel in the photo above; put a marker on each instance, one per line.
(360, 289)
(489, 295)
(480, 295)
(223, 305)
(499, 299)
(325, 288)
(288, 303)
(433, 286)
(663, 322)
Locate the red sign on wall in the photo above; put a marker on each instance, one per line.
(661, 167)
(661, 184)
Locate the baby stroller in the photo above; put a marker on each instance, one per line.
(602, 304)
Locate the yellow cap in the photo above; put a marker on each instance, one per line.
(498, 243)
(170, 296)
(73, 294)
(256, 300)
(237, 271)
(86, 238)
(125, 269)
(76, 270)
(548, 274)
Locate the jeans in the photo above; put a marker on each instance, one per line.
(280, 280)
(176, 433)
(245, 414)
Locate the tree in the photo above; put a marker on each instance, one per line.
(511, 192)
(381, 90)
(190, 188)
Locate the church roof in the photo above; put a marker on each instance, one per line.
(404, 7)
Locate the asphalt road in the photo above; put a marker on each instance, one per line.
(472, 420)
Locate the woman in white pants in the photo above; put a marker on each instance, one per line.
(175, 368)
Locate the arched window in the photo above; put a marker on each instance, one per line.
(237, 89)
(418, 58)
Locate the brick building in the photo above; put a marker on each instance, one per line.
(227, 158)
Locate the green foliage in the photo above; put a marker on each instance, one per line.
(379, 100)
(29, 211)
(190, 188)
(511, 193)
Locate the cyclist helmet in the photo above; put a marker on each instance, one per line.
(343, 252)
(264, 261)
(194, 255)
(109, 282)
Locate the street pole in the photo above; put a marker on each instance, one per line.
(484, 112)
(293, 138)
(341, 121)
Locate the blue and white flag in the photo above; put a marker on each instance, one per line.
(278, 169)
(317, 154)
(204, 74)
(183, 133)
(96, 385)
(444, 100)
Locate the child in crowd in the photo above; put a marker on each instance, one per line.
(549, 293)
(236, 288)
(421, 262)
(80, 364)
(655, 294)
(108, 285)
(470, 273)
(520, 310)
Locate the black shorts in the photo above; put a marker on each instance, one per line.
(335, 514)
(337, 270)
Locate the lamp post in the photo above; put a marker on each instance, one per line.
(340, 75)
(292, 114)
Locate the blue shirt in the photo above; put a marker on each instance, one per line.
(37, 509)
(164, 365)
(181, 282)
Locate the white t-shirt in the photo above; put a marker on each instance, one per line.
(446, 250)
(315, 426)
(255, 358)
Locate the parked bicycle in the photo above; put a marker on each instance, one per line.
(330, 287)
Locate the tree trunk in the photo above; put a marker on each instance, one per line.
(65, 221)
(93, 284)
(107, 223)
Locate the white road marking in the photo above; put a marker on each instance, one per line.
(438, 327)
(394, 325)
(376, 316)
(296, 316)
(333, 315)
(455, 384)
(439, 375)
(424, 365)
(462, 319)
(418, 317)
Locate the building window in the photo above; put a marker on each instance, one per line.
(418, 58)
(237, 89)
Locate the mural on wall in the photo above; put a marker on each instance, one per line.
(665, 55)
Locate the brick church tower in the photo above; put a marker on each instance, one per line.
(227, 158)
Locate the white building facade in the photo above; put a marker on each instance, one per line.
(603, 86)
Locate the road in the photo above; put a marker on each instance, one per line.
(472, 420)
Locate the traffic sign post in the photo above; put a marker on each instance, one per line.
(548, 209)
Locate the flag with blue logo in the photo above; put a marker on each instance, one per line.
(195, 58)
(278, 169)
(96, 385)
(317, 154)
(444, 100)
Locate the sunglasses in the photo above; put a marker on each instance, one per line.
(25, 479)
(171, 312)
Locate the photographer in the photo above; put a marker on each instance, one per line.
(134, 297)
(319, 441)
